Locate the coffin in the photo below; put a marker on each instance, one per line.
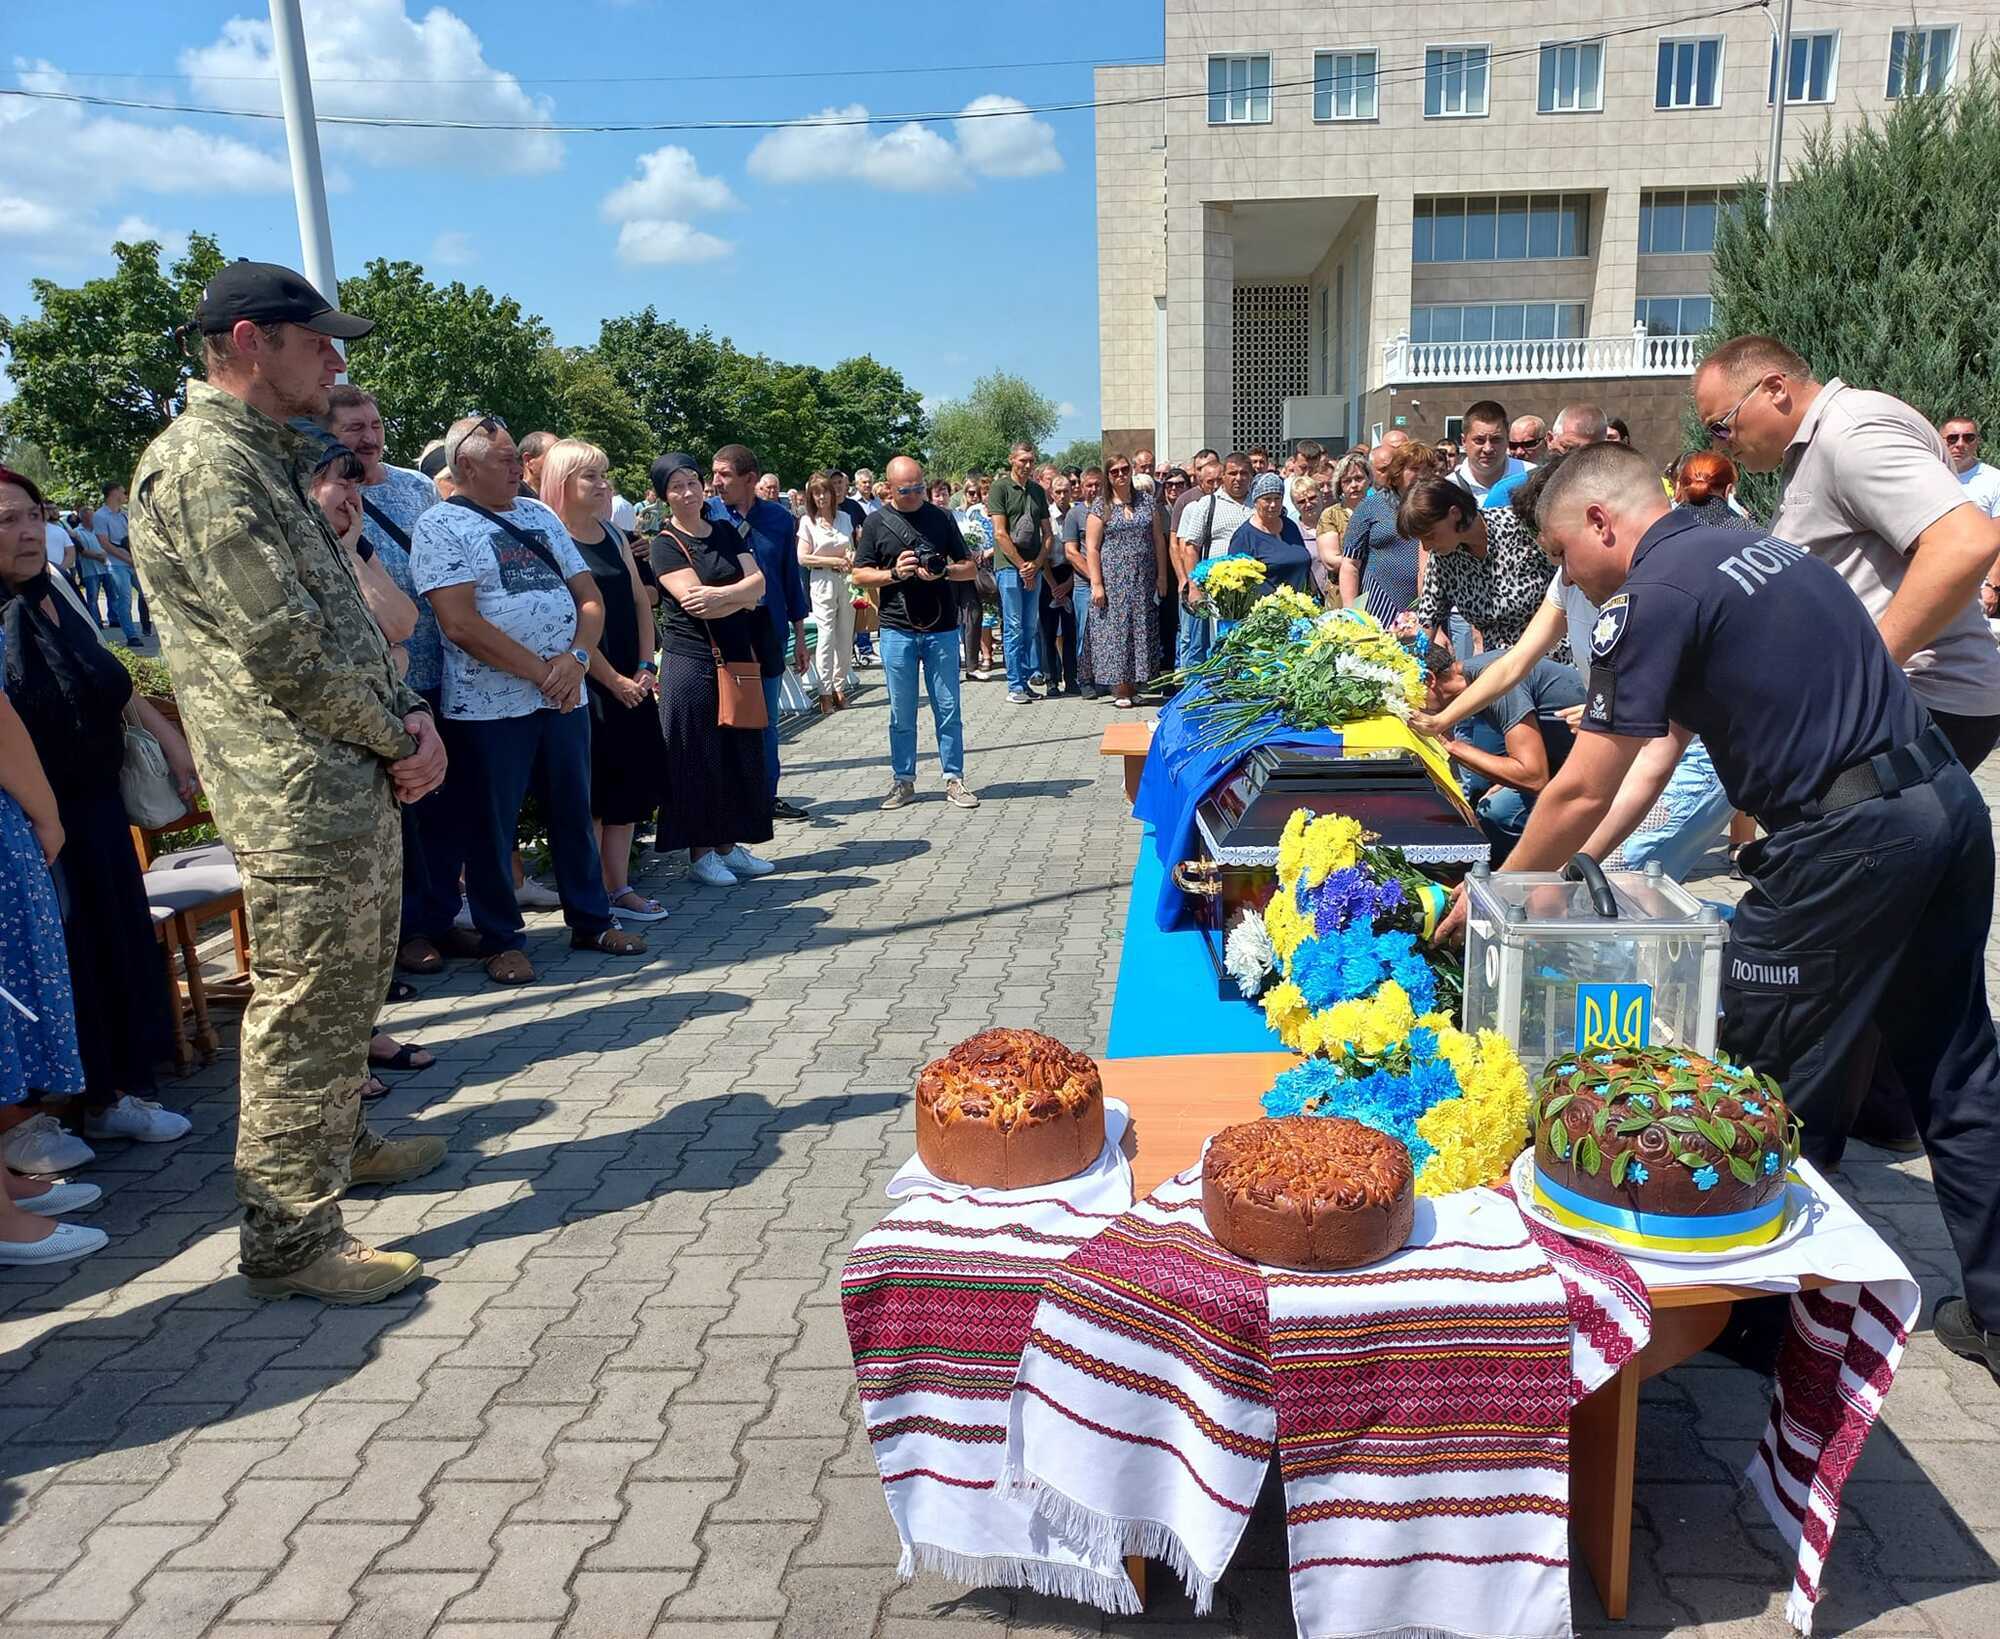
(1399, 788)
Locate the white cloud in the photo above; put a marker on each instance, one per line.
(1000, 143)
(667, 244)
(64, 166)
(913, 157)
(653, 211)
(173, 242)
(451, 248)
(370, 57)
(669, 187)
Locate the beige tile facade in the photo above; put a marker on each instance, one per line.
(1188, 209)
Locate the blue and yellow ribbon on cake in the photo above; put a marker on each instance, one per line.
(1661, 1231)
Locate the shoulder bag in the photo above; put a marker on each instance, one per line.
(146, 784)
(535, 546)
(739, 684)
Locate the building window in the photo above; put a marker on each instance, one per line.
(1239, 90)
(1511, 228)
(1677, 223)
(1496, 321)
(1921, 59)
(1344, 85)
(1572, 78)
(1675, 315)
(1814, 58)
(1690, 74)
(1454, 82)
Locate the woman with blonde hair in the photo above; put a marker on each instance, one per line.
(826, 552)
(627, 756)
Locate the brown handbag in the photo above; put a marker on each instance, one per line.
(739, 684)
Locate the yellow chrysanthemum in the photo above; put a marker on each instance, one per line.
(1285, 1011)
(1478, 1134)
(1235, 574)
(1288, 926)
(1292, 847)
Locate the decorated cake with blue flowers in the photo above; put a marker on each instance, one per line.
(1661, 1148)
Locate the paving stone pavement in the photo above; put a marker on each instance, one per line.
(622, 1403)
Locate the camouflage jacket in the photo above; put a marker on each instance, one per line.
(284, 682)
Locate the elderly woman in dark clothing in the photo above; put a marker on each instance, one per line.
(75, 698)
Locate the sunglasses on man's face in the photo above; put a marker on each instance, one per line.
(1961, 438)
(909, 489)
(1522, 443)
(1720, 431)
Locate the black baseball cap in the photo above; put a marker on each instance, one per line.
(265, 293)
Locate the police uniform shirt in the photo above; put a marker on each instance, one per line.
(1758, 647)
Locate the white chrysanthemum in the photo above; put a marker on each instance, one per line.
(1248, 955)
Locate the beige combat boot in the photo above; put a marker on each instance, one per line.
(347, 1272)
(397, 1160)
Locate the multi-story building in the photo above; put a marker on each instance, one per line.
(1324, 221)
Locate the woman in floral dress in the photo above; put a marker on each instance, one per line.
(1126, 543)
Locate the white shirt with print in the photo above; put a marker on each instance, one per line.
(514, 589)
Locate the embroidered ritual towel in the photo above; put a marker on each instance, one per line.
(1142, 1421)
(937, 1299)
(1610, 1314)
(1423, 1433)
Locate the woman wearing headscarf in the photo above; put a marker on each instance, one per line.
(1270, 537)
(714, 799)
(74, 698)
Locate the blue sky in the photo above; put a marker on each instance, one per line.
(945, 249)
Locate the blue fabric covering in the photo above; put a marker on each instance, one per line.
(1179, 773)
(1166, 1004)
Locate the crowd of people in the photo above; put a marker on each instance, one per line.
(379, 668)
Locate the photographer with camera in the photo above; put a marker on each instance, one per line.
(909, 550)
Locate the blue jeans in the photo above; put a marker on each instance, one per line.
(493, 766)
(1020, 621)
(771, 686)
(1503, 816)
(1194, 639)
(118, 588)
(937, 654)
(1695, 816)
(1059, 628)
(96, 588)
(1080, 601)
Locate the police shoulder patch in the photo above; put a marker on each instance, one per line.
(1611, 622)
(1602, 701)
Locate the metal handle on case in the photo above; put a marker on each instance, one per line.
(1582, 868)
(1198, 876)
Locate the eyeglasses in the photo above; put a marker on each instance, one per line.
(1961, 438)
(1116, 472)
(1720, 432)
(485, 424)
(909, 489)
(1522, 443)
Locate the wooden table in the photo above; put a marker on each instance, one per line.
(1176, 1103)
(1130, 738)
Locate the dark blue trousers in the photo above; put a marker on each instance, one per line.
(1877, 915)
(493, 766)
(433, 852)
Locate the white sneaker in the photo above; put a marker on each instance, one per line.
(533, 896)
(464, 917)
(62, 1197)
(744, 863)
(141, 1119)
(40, 1146)
(63, 1242)
(710, 870)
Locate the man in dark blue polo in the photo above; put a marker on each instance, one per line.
(771, 534)
(1871, 893)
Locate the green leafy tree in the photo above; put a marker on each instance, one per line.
(978, 430)
(874, 414)
(1883, 268)
(26, 457)
(98, 370)
(596, 408)
(439, 352)
(675, 376)
(1080, 452)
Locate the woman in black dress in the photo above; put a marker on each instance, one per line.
(714, 798)
(75, 698)
(627, 758)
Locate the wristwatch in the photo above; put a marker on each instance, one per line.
(581, 657)
(652, 666)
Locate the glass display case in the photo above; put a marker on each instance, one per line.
(1612, 959)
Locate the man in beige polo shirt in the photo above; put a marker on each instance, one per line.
(1867, 490)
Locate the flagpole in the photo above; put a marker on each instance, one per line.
(288, 42)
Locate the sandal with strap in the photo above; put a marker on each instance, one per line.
(510, 967)
(638, 907)
(612, 941)
(404, 1058)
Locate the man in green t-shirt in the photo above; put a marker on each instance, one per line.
(1021, 534)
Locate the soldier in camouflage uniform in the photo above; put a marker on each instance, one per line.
(307, 740)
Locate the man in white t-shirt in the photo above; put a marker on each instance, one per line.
(1486, 460)
(1207, 527)
(520, 613)
(1961, 452)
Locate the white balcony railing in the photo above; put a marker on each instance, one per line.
(1406, 362)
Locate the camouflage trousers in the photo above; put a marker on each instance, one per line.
(323, 929)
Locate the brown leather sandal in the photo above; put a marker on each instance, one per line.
(612, 941)
(510, 967)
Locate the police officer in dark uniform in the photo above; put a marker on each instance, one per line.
(1872, 894)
